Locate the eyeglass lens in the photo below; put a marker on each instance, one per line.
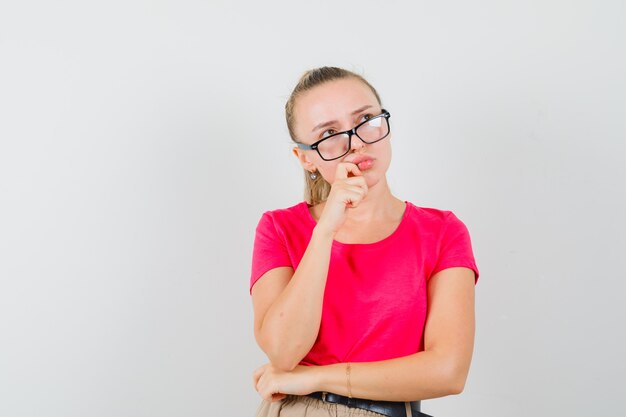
(338, 145)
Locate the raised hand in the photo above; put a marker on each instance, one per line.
(347, 191)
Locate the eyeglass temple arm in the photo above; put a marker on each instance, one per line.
(304, 146)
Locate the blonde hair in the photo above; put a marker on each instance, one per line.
(316, 190)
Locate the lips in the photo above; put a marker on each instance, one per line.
(363, 162)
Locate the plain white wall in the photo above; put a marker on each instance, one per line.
(140, 141)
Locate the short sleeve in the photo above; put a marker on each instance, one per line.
(455, 247)
(269, 250)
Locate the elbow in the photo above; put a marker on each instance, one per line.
(285, 358)
(456, 385)
(454, 378)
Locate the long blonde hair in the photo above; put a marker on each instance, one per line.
(316, 190)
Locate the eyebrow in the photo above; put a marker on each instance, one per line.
(324, 124)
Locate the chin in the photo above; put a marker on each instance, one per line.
(371, 179)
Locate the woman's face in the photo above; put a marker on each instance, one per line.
(333, 107)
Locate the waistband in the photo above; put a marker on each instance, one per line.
(386, 408)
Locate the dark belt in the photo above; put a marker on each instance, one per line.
(386, 408)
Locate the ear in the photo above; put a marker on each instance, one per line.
(304, 159)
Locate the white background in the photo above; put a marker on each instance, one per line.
(140, 142)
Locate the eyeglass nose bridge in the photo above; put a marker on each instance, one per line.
(350, 133)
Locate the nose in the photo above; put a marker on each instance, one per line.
(356, 143)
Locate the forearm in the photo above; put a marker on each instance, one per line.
(423, 375)
(291, 325)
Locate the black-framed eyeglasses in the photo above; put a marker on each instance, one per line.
(339, 144)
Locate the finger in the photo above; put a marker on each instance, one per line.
(347, 169)
(267, 392)
(354, 191)
(353, 198)
(257, 374)
(278, 397)
(361, 189)
(358, 181)
(354, 170)
(260, 386)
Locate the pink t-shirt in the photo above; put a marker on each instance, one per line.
(375, 300)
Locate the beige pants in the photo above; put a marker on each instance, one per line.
(303, 406)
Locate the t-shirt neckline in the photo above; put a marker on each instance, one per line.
(305, 206)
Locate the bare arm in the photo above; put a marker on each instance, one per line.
(440, 370)
(288, 305)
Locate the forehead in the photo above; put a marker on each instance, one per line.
(332, 100)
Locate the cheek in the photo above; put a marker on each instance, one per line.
(385, 153)
(328, 169)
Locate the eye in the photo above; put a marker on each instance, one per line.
(366, 117)
(327, 133)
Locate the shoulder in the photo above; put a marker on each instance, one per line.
(297, 211)
(430, 217)
(281, 219)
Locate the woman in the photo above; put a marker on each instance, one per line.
(363, 303)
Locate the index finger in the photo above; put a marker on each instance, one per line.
(257, 374)
(344, 169)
